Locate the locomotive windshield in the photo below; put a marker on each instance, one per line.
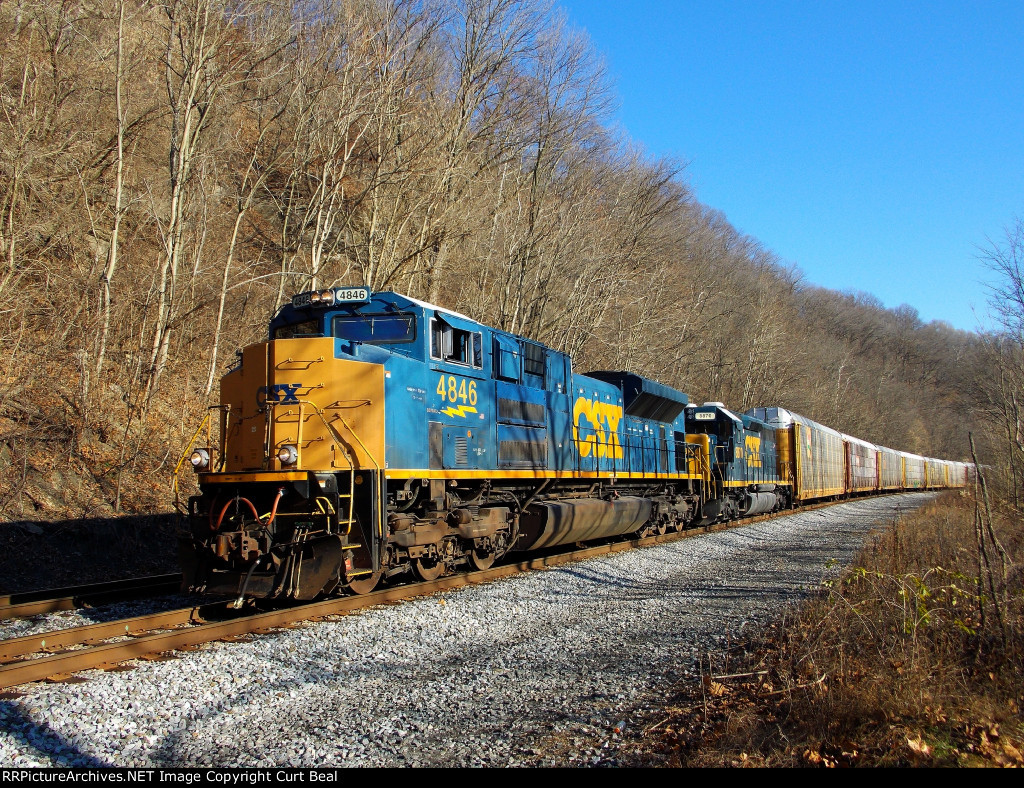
(375, 329)
(307, 328)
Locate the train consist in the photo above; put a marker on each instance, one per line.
(374, 436)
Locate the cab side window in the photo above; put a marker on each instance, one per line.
(534, 359)
(455, 345)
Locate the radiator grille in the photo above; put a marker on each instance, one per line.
(533, 453)
(516, 410)
(461, 452)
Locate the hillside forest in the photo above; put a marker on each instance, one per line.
(172, 172)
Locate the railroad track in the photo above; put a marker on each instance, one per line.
(34, 603)
(61, 654)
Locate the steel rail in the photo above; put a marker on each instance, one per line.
(189, 627)
(94, 633)
(33, 603)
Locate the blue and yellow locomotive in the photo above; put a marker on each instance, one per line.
(376, 436)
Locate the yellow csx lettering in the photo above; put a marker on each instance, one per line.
(603, 419)
(753, 447)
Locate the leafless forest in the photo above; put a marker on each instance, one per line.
(171, 172)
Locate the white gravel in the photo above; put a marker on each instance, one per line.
(534, 670)
(84, 616)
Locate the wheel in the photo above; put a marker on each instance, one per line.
(661, 528)
(364, 584)
(427, 569)
(480, 560)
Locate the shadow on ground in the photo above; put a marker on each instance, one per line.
(39, 555)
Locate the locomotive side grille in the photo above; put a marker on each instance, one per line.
(516, 410)
(461, 452)
(519, 453)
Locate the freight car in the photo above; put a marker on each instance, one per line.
(374, 436)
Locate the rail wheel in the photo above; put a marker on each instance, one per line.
(479, 560)
(427, 569)
(364, 584)
(661, 527)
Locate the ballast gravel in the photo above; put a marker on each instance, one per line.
(539, 669)
(80, 617)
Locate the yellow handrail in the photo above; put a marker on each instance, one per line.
(379, 525)
(181, 460)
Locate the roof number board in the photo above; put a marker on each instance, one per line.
(352, 294)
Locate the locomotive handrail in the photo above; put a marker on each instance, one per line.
(376, 465)
(298, 441)
(379, 524)
(181, 460)
(319, 412)
(289, 360)
(704, 465)
(225, 416)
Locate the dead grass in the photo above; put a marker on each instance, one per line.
(912, 658)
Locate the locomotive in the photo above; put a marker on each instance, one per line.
(374, 436)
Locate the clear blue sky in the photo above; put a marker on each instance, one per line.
(876, 145)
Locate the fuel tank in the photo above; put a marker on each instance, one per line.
(552, 523)
(759, 503)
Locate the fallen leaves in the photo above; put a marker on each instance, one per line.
(995, 749)
(919, 747)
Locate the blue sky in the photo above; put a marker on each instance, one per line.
(877, 145)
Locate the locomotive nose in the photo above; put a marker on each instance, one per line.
(285, 515)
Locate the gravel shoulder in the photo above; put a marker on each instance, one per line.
(539, 669)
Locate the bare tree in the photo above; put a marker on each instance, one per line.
(203, 54)
(265, 94)
(1001, 394)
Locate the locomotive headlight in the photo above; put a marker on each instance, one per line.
(288, 454)
(326, 298)
(314, 298)
(200, 458)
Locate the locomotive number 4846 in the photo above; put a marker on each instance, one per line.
(453, 389)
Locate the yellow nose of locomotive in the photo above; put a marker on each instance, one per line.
(290, 510)
(292, 405)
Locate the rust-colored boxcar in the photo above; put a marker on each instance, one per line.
(861, 465)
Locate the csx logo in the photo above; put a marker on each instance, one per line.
(601, 420)
(281, 393)
(753, 447)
